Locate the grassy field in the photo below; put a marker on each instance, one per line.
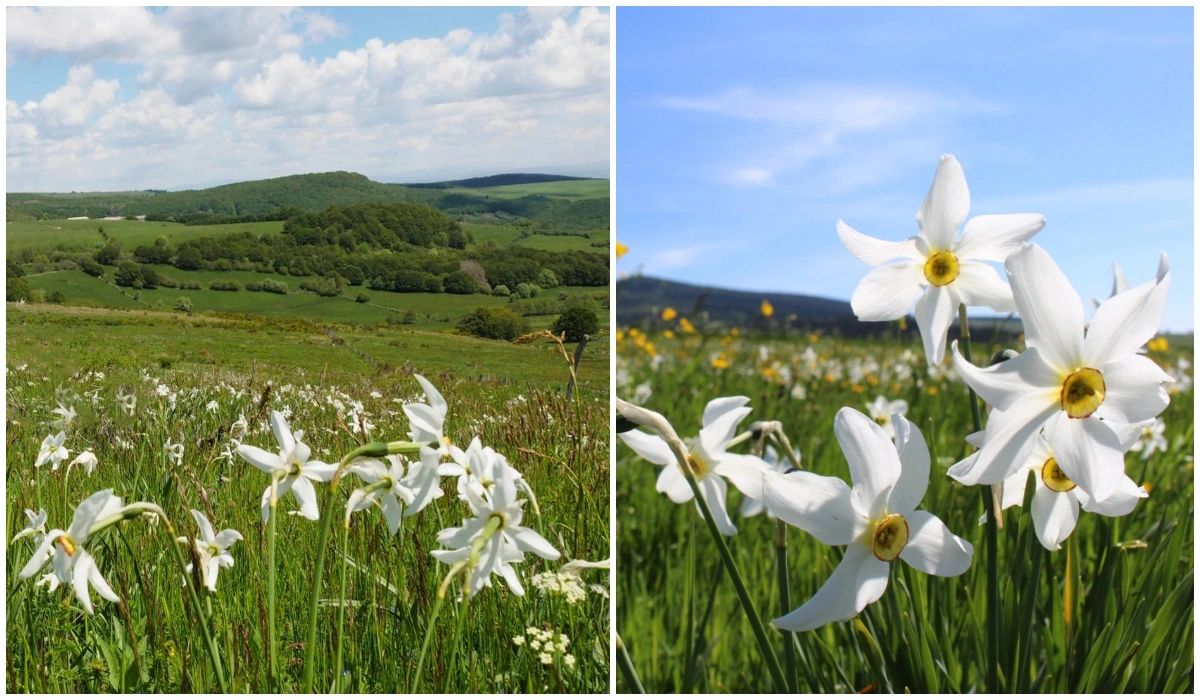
(433, 311)
(192, 377)
(558, 189)
(1119, 619)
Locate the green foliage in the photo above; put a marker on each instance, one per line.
(546, 279)
(497, 323)
(459, 282)
(90, 266)
(578, 320)
(109, 253)
(361, 298)
(526, 290)
(500, 291)
(225, 286)
(17, 289)
(183, 304)
(129, 274)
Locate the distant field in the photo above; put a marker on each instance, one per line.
(509, 234)
(84, 235)
(433, 310)
(560, 189)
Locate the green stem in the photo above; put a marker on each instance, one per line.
(1020, 682)
(785, 605)
(205, 628)
(760, 632)
(337, 665)
(993, 578)
(627, 670)
(437, 607)
(272, 632)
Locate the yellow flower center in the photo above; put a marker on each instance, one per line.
(891, 534)
(213, 550)
(67, 544)
(941, 268)
(446, 441)
(1082, 392)
(882, 421)
(1054, 479)
(697, 465)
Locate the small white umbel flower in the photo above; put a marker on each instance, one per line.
(1079, 383)
(877, 520)
(292, 469)
(937, 270)
(212, 549)
(708, 460)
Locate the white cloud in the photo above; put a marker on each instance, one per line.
(235, 95)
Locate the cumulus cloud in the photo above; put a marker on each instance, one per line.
(238, 93)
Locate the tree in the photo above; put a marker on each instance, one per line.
(91, 267)
(546, 278)
(110, 253)
(129, 274)
(500, 291)
(576, 321)
(459, 282)
(497, 323)
(188, 258)
(18, 289)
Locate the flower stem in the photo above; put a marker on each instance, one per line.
(993, 579)
(433, 616)
(205, 628)
(627, 670)
(785, 606)
(272, 632)
(337, 664)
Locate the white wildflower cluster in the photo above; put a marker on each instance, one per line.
(549, 646)
(569, 586)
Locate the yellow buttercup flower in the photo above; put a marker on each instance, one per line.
(766, 309)
(669, 314)
(622, 249)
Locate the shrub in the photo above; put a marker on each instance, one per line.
(459, 282)
(18, 289)
(409, 318)
(183, 304)
(577, 320)
(546, 278)
(224, 286)
(91, 267)
(527, 290)
(129, 274)
(57, 297)
(362, 298)
(500, 291)
(109, 254)
(497, 323)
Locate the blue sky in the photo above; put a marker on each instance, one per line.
(133, 97)
(744, 134)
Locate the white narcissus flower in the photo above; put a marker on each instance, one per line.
(72, 563)
(424, 478)
(934, 270)
(52, 451)
(385, 488)
(1057, 499)
(881, 411)
(174, 452)
(877, 520)
(708, 460)
(1082, 384)
(36, 527)
(292, 467)
(66, 416)
(85, 459)
(1150, 438)
(128, 402)
(212, 549)
(478, 468)
(504, 546)
(427, 421)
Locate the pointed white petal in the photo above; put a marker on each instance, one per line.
(718, 433)
(672, 483)
(888, 292)
(283, 433)
(978, 284)
(258, 457)
(530, 541)
(306, 497)
(79, 579)
(932, 548)
(651, 448)
(1134, 390)
(859, 580)
(914, 466)
(713, 491)
(994, 237)
(436, 401)
(1125, 323)
(1088, 452)
(935, 312)
(206, 528)
(1054, 516)
(1124, 498)
(819, 505)
(745, 472)
(226, 538)
(1007, 442)
(946, 205)
(1001, 385)
(874, 251)
(720, 406)
(1050, 309)
(874, 463)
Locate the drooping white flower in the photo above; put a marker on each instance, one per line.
(52, 451)
(85, 459)
(72, 563)
(212, 549)
(494, 534)
(174, 452)
(881, 411)
(128, 402)
(292, 469)
(877, 520)
(935, 270)
(477, 468)
(66, 416)
(1081, 384)
(708, 461)
(36, 527)
(212, 406)
(427, 421)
